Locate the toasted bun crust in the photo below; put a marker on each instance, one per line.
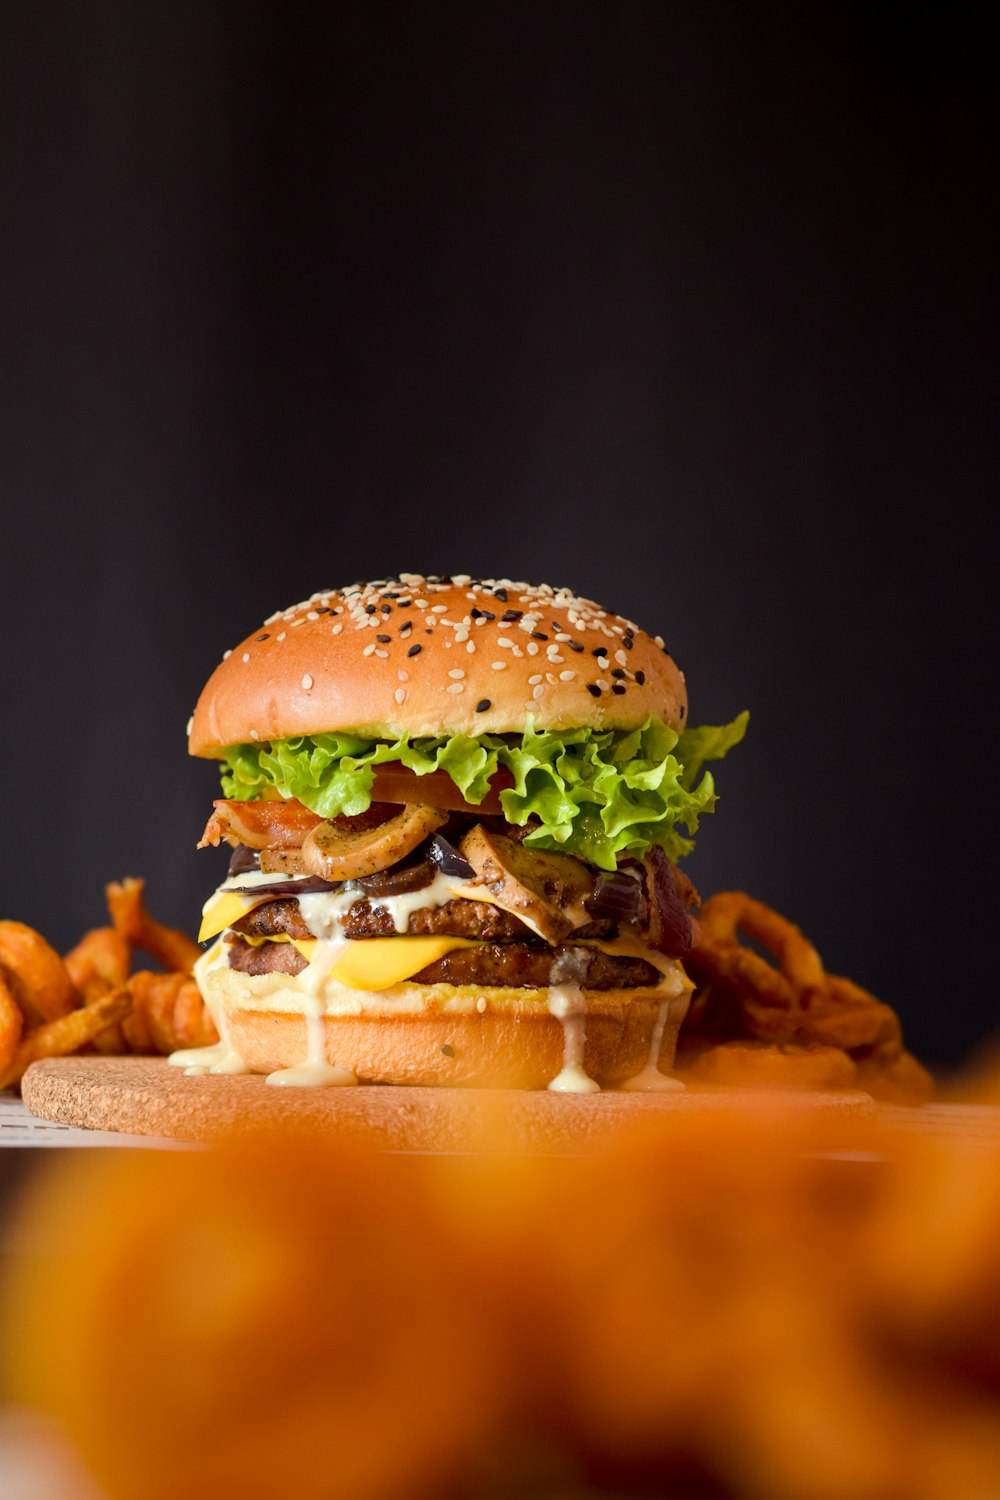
(436, 1034)
(437, 657)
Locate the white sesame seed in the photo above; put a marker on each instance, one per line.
(566, 676)
(400, 695)
(536, 692)
(481, 1005)
(532, 648)
(480, 619)
(505, 640)
(602, 662)
(440, 609)
(312, 615)
(555, 657)
(621, 658)
(499, 666)
(281, 635)
(562, 636)
(336, 629)
(307, 682)
(602, 682)
(456, 687)
(191, 720)
(420, 603)
(226, 655)
(297, 622)
(470, 645)
(403, 676)
(254, 735)
(245, 657)
(659, 641)
(551, 677)
(504, 624)
(536, 678)
(369, 650)
(518, 651)
(456, 672)
(381, 653)
(461, 635)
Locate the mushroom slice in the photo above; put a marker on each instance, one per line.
(546, 891)
(348, 853)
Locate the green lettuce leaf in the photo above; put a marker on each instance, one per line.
(599, 794)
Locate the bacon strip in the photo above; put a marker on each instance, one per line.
(669, 928)
(261, 825)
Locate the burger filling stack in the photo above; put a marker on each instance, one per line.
(456, 808)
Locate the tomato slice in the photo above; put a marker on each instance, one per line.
(396, 783)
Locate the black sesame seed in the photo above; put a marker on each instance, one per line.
(640, 678)
(487, 614)
(598, 650)
(383, 639)
(510, 615)
(628, 642)
(616, 671)
(482, 705)
(390, 596)
(324, 611)
(502, 595)
(264, 636)
(616, 687)
(405, 629)
(369, 609)
(404, 603)
(574, 645)
(537, 635)
(593, 690)
(413, 650)
(683, 710)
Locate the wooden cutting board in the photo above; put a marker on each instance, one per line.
(146, 1096)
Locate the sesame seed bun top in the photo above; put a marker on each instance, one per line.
(437, 656)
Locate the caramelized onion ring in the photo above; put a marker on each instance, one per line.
(349, 853)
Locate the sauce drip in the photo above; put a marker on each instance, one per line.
(566, 1001)
(651, 1079)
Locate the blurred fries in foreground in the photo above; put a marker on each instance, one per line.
(51, 1007)
(779, 1305)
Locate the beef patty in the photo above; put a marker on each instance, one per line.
(517, 965)
(468, 919)
(459, 918)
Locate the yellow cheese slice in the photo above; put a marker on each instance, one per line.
(225, 908)
(377, 963)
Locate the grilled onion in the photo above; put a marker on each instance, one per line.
(347, 853)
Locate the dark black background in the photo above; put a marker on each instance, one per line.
(689, 307)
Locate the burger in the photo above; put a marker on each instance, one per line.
(456, 808)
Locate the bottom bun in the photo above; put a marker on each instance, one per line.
(445, 1035)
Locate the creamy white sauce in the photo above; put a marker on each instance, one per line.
(256, 877)
(222, 1057)
(324, 913)
(651, 1079)
(566, 1001)
(316, 1071)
